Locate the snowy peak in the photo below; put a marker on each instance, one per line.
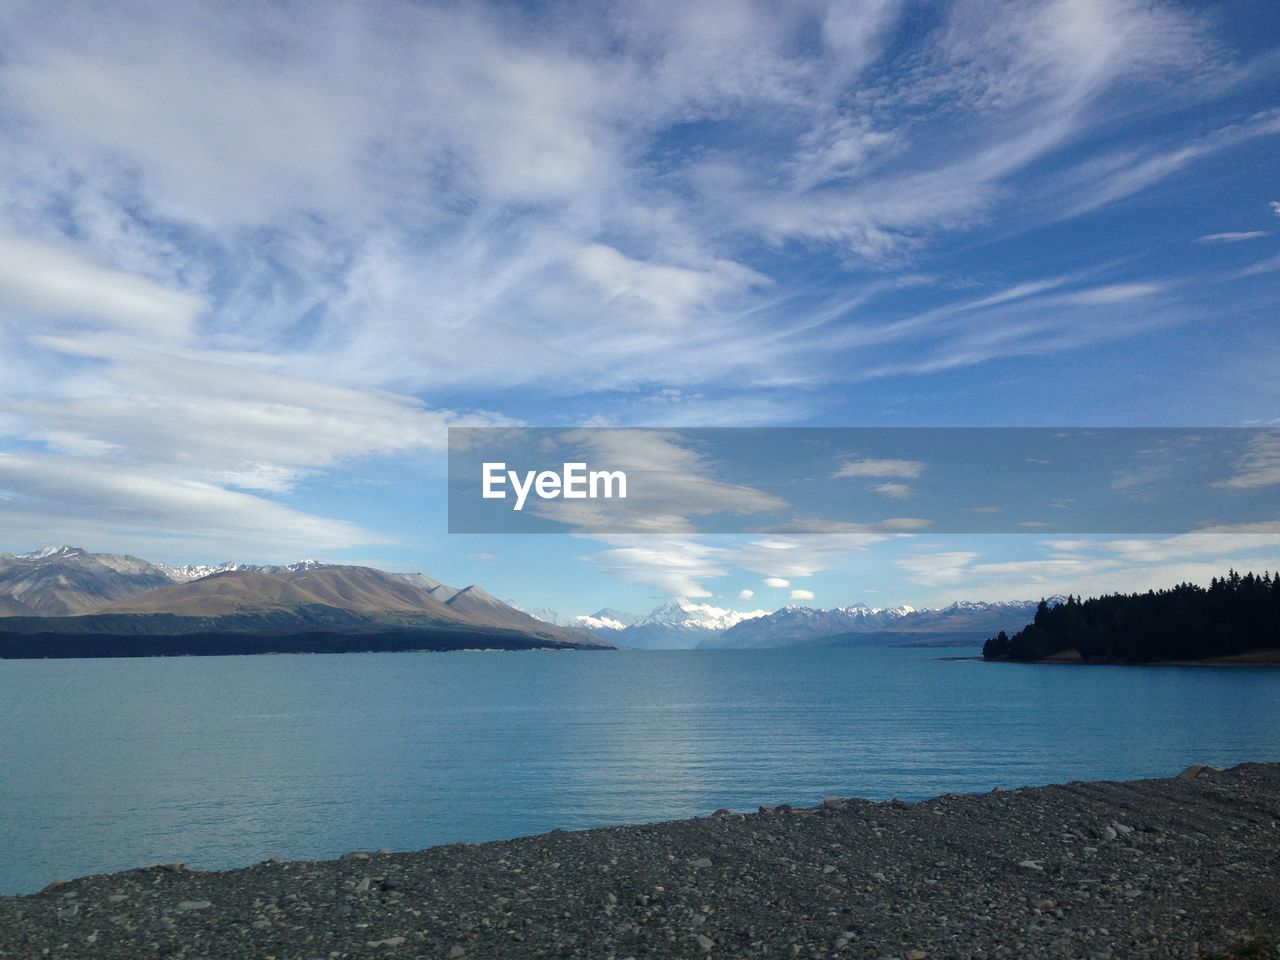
(594, 621)
(62, 550)
(196, 571)
(188, 572)
(685, 614)
(963, 621)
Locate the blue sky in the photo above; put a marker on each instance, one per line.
(255, 259)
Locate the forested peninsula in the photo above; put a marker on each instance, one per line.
(1236, 618)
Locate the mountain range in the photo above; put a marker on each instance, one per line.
(684, 624)
(68, 592)
(65, 592)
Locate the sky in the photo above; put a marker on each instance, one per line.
(255, 259)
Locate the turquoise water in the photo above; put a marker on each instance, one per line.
(222, 761)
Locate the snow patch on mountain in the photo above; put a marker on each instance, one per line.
(187, 572)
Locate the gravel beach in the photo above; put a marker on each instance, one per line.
(1183, 867)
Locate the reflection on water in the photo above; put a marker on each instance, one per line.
(224, 761)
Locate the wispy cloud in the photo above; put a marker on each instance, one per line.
(1237, 236)
(62, 285)
(1259, 467)
(1092, 567)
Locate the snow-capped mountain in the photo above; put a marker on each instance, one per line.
(679, 624)
(797, 624)
(187, 572)
(606, 619)
(962, 622)
(62, 581)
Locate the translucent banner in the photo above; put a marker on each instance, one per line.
(864, 480)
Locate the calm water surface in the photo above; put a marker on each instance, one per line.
(222, 761)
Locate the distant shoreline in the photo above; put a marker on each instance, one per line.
(93, 646)
(1255, 658)
(1149, 868)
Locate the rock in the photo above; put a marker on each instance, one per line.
(1196, 769)
(117, 898)
(1122, 828)
(186, 905)
(355, 855)
(1107, 833)
(701, 863)
(388, 942)
(363, 885)
(1031, 865)
(834, 803)
(705, 942)
(456, 953)
(917, 955)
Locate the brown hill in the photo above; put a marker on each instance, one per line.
(373, 595)
(62, 582)
(219, 595)
(65, 581)
(366, 590)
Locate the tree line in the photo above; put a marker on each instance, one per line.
(1235, 614)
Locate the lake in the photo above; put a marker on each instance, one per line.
(223, 761)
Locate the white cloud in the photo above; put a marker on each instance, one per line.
(1115, 293)
(1275, 207)
(898, 491)
(801, 594)
(776, 582)
(663, 294)
(1232, 236)
(746, 594)
(939, 568)
(1093, 567)
(1259, 467)
(676, 565)
(870, 467)
(209, 417)
(68, 500)
(61, 284)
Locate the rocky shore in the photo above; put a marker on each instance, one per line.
(1184, 867)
